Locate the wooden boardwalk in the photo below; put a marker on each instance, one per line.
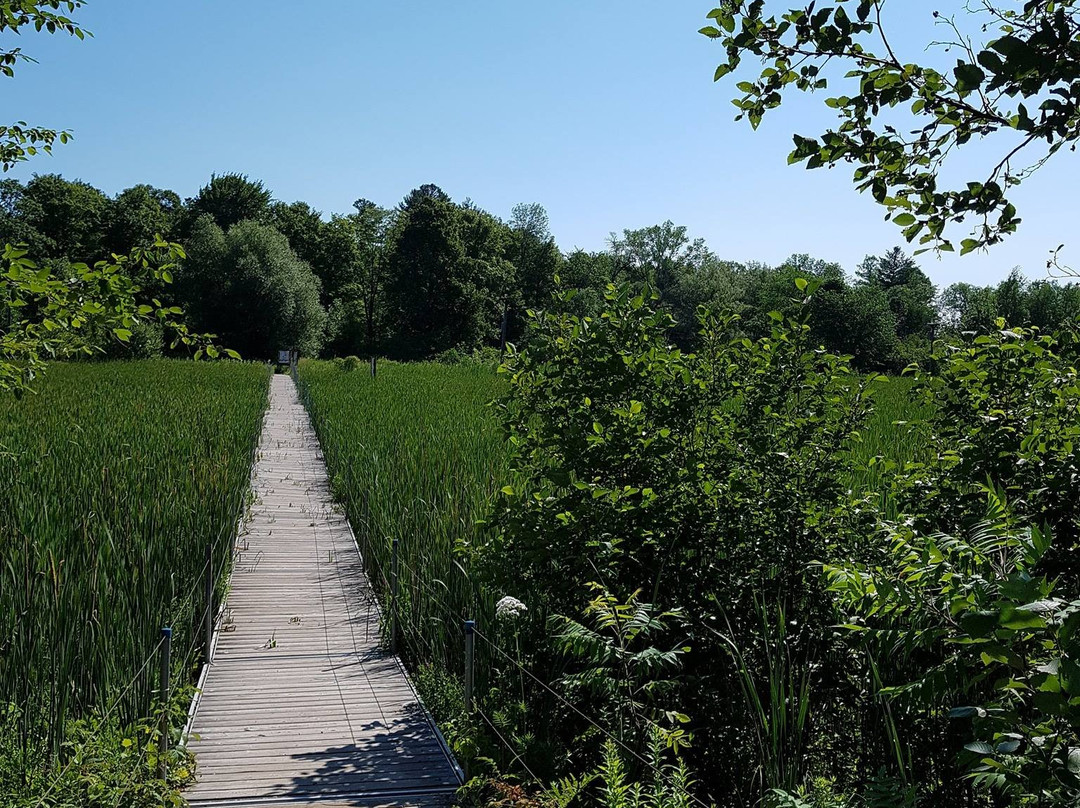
(300, 703)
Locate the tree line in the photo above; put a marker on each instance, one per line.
(432, 277)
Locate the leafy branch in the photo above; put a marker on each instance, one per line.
(1034, 59)
(55, 317)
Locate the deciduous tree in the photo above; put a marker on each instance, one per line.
(140, 213)
(251, 288)
(232, 198)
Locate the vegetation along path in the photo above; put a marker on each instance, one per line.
(301, 702)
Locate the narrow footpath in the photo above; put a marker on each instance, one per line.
(300, 705)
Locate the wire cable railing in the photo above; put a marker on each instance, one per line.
(518, 755)
(438, 601)
(103, 722)
(581, 714)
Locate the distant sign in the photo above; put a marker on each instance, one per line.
(283, 357)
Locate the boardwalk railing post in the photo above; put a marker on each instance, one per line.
(394, 598)
(166, 665)
(208, 618)
(470, 640)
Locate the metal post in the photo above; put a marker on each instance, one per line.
(208, 618)
(394, 598)
(470, 639)
(166, 666)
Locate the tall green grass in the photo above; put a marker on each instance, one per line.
(115, 479)
(892, 435)
(413, 455)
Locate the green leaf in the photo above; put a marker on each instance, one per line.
(1019, 619)
(968, 77)
(1074, 760)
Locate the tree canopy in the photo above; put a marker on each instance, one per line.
(249, 287)
(232, 198)
(64, 290)
(433, 277)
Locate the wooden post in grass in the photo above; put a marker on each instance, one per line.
(373, 365)
(166, 666)
(208, 591)
(394, 598)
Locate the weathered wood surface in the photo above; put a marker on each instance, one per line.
(300, 703)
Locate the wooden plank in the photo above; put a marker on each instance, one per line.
(301, 703)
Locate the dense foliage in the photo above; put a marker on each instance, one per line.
(745, 546)
(707, 480)
(647, 561)
(709, 485)
(997, 647)
(83, 310)
(117, 479)
(250, 288)
(707, 538)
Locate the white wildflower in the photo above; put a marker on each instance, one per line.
(509, 607)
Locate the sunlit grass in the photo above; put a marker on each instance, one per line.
(892, 434)
(116, 478)
(413, 455)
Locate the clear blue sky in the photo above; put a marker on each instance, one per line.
(604, 112)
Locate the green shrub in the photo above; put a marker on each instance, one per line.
(701, 479)
(1002, 407)
(103, 762)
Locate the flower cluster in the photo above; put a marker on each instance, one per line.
(509, 607)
